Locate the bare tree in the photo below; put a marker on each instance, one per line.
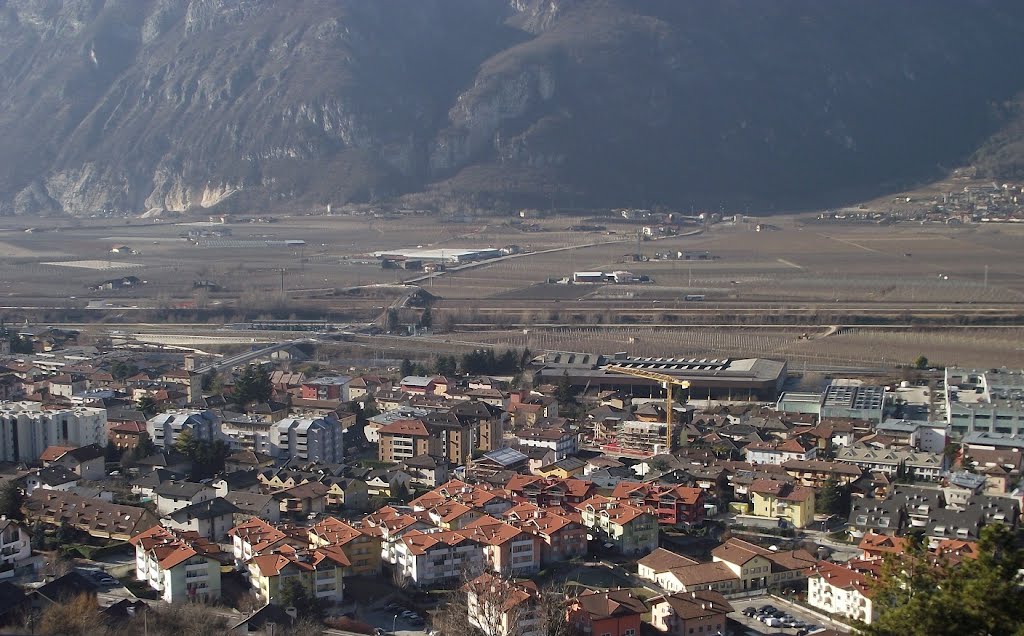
(77, 617)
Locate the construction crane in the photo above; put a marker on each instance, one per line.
(666, 381)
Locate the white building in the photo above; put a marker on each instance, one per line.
(166, 428)
(27, 429)
(309, 439)
(179, 565)
(564, 443)
(428, 557)
(778, 452)
(249, 433)
(498, 607)
(842, 590)
(984, 401)
(15, 546)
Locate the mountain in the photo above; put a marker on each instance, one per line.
(136, 105)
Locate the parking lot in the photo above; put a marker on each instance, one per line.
(751, 624)
(390, 620)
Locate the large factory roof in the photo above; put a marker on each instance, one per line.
(750, 369)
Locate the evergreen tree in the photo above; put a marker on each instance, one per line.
(446, 365)
(112, 453)
(147, 405)
(295, 594)
(565, 393)
(253, 385)
(391, 320)
(426, 320)
(919, 594)
(11, 498)
(406, 368)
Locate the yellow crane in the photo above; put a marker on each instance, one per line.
(666, 381)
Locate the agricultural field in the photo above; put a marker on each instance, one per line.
(980, 348)
(792, 292)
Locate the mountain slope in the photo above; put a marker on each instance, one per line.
(131, 105)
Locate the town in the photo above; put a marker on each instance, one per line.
(504, 494)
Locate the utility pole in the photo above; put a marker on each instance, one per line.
(986, 277)
(283, 271)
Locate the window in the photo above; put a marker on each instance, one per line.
(629, 632)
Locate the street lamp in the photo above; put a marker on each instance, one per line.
(393, 622)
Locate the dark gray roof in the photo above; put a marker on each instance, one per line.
(154, 478)
(240, 479)
(85, 453)
(248, 501)
(216, 507)
(180, 489)
(56, 475)
(66, 587)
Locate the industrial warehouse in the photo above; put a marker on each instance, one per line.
(724, 378)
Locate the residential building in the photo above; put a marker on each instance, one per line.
(629, 529)
(611, 613)
(126, 435)
(57, 478)
(919, 465)
(792, 505)
(658, 561)
(508, 550)
(317, 440)
(547, 492)
(255, 536)
(561, 441)
(327, 388)
(256, 505)
(180, 566)
(427, 470)
(429, 557)
(498, 607)
(815, 473)
(683, 614)
(165, 429)
(88, 462)
(27, 429)
(175, 495)
(674, 505)
(210, 519)
(15, 546)
(561, 538)
(361, 546)
(779, 452)
(758, 568)
(321, 571)
(403, 439)
(841, 589)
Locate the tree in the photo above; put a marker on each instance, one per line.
(391, 320)
(921, 363)
(426, 320)
(209, 380)
(446, 365)
(78, 617)
(147, 405)
(406, 368)
(120, 370)
(295, 594)
(919, 594)
(253, 385)
(402, 493)
(112, 452)
(38, 532)
(11, 499)
(565, 394)
(832, 499)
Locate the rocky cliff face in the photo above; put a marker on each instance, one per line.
(135, 105)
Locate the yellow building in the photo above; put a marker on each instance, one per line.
(563, 468)
(320, 571)
(781, 500)
(361, 545)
